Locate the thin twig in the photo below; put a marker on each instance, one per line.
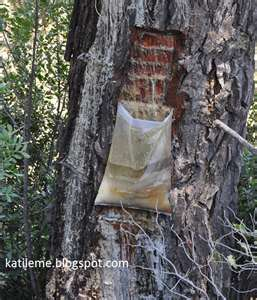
(238, 137)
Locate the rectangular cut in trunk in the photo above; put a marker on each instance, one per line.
(138, 172)
(153, 78)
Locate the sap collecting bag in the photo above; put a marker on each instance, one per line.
(137, 174)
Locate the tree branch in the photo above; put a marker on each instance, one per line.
(238, 137)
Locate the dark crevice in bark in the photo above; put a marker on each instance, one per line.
(83, 23)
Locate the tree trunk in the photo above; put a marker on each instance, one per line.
(210, 77)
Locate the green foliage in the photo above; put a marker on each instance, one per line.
(12, 150)
(246, 239)
(248, 186)
(49, 97)
(248, 181)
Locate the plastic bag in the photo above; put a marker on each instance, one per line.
(137, 174)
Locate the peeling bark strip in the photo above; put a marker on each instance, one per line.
(218, 63)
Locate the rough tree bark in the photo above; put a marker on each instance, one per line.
(211, 78)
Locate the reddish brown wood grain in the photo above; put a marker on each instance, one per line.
(154, 75)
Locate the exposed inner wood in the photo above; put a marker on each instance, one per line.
(153, 76)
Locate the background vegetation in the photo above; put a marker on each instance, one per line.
(48, 92)
(248, 183)
(33, 71)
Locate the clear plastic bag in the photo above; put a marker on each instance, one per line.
(137, 174)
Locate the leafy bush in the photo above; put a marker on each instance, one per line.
(248, 181)
(12, 151)
(248, 186)
(49, 97)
